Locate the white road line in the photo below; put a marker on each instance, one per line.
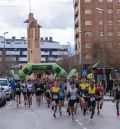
(84, 128)
(80, 124)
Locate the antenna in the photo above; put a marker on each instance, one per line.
(30, 6)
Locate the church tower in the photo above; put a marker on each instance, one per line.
(33, 40)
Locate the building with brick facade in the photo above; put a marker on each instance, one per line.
(96, 26)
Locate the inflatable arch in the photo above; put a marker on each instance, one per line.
(43, 67)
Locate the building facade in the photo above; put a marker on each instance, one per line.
(16, 49)
(96, 21)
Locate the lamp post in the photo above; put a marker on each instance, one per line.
(81, 61)
(4, 53)
(103, 48)
(70, 55)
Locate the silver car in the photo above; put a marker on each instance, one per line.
(6, 88)
(2, 97)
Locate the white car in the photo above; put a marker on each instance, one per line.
(6, 88)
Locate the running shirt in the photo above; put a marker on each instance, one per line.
(62, 93)
(55, 93)
(29, 87)
(18, 88)
(73, 94)
(99, 91)
(92, 93)
(84, 89)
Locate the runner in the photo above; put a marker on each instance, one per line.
(92, 98)
(116, 88)
(55, 91)
(61, 97)
(29, 92)
(24, 90)
(38, 91)
(48, 94)
(72, 101)
(99, 97)
(18, 92)
(84, 93)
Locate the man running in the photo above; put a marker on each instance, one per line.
(84, 93)
(72, 101)
(99, 97)
(116, 88)
(18, 92)
(92, 98)
(61, 97)
(55, 91)
(29, 92)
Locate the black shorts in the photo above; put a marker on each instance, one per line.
(24, 93)
(38, 93)
(98, 98)
(117, 97)
(71, 103)
(91, 103)
(29, 93)
(18, 93)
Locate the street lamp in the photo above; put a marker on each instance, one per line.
(103, 48)
(4, 43)
(70, 54)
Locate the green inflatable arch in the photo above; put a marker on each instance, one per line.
(43, 67)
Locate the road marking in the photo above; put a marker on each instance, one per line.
(80, 123)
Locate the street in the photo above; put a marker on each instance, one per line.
(22, 117)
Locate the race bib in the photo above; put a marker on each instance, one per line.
(92, 99)
(55, 96)
(73, 97)
(83, 95)
(38, 89)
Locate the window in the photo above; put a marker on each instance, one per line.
(118, 33)
(109, 0)
(100, 34)
(88, 57)
(101, 22)
(88, 11)
(118, 22)
(110, 33)
(88, 22)
(88, 45)
(100, 0)
(110, 44)
(110, 11)
(118, 10)
(110, 22)
(87, 1)
(88, 34)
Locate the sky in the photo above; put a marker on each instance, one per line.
(55, 17)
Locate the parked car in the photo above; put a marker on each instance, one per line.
(2, 97)
(6, 88)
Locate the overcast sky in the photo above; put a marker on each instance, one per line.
(55, 17)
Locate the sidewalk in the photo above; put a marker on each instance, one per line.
(108, 98)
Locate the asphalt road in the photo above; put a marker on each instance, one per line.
(12, 117)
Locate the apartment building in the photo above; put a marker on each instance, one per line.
(96, 21)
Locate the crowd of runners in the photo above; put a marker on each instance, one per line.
(76, 93)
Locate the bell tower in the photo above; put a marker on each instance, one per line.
(33, 40)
